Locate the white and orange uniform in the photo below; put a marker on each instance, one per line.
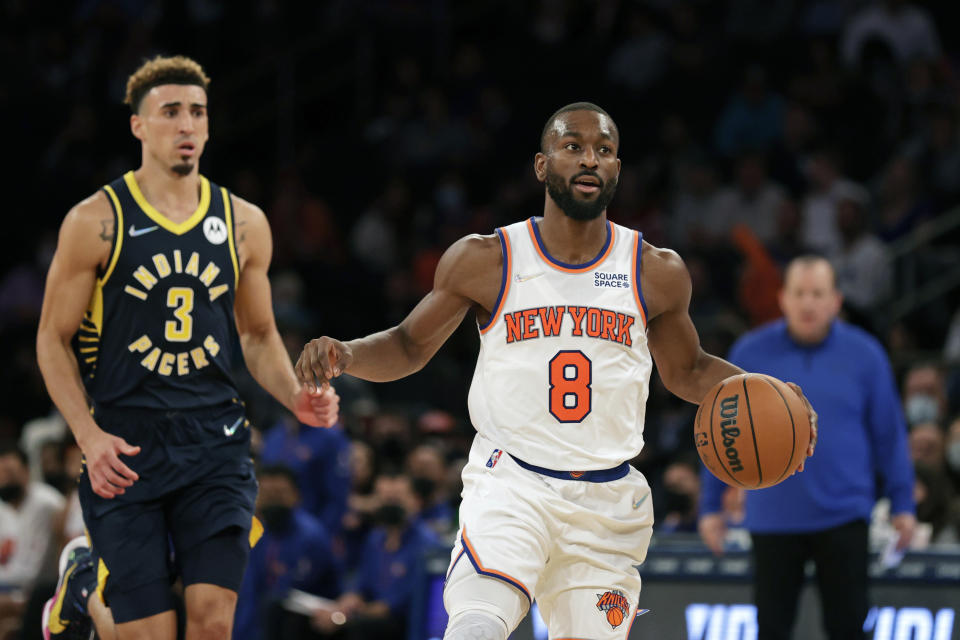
(558, 397)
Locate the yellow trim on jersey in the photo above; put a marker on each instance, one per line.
(178, 228)
(102, 574)
(228, 214)
(117, 234)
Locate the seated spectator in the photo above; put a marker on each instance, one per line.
(933, 495)
(294, 553)
(924, 394)
(681, 494)
(952, 454)
(861, 262)
(378, 602)
(427, 468)
(320, 459)
(27, 510)
(926, 445)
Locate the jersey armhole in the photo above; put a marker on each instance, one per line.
(231, 235)
(637, 268)
(504, 282)
(117, 235)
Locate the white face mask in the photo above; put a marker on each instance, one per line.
(953, 455)
(921, 407)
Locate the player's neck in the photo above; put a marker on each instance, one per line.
(173, 195)
(572, 241)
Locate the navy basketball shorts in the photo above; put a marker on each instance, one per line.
(188, 514)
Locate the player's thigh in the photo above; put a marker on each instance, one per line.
(467, 591)
(130, 540)
(590, 587)
(162, 626)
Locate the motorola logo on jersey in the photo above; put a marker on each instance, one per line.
(215, 230)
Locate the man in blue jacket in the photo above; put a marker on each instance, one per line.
(822, 513)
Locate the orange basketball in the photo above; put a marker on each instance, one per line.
(752, 431)
(615, 616)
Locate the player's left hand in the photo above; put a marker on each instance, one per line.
(904, 523)
(317, 409)
(813, 422)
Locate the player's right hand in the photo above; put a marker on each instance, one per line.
(109, 476)
(321, 360)
(713, 529)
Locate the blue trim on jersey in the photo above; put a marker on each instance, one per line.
(546, 254)
(601, 475)
(643, 302)
(503, 281)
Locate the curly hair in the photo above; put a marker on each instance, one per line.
(163, 70)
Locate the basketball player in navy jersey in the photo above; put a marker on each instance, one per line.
(573, 311)
(155, 278)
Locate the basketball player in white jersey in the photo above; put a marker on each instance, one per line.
(573, 310)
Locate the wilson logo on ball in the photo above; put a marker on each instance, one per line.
(729, 408)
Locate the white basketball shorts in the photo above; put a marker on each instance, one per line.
(571, 545)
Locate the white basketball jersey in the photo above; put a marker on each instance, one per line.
(563, 371)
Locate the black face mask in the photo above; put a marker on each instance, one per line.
(58, 480)
(12, 492)
(277, 518)
(676, 502)
(391, 515)
(423, 487)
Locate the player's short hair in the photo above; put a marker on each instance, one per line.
(809, 260)
(10, 447)
(163, 70)
(573, 106)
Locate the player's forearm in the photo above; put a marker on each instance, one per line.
(692, 385)
(270, 366)
(385, 356)
(61, 375)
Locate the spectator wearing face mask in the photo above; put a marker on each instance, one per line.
(27, 511)
(377, 603)
(681, 492)
(428, 471)
(924, 395)
(294, 553)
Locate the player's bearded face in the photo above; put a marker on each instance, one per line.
(583, 207)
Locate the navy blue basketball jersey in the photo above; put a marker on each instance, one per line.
(159, 331)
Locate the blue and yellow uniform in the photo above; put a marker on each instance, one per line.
(156, 348)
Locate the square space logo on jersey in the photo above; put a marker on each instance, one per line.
(611, 280)
(614, 604)
(494, 458)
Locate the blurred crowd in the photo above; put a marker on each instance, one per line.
(375, 133)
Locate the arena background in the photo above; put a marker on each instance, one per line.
(374, 133)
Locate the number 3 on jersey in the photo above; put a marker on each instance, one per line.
(180, 299)
(570, 394)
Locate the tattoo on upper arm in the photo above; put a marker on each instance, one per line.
(106, 230)
(241, 233)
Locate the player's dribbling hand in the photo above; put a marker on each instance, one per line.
(713, 529)
(813, 422)
(109, 476)
(317, 408)
(321, 360)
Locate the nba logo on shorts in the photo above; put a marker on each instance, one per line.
(614, 604)
(494, 458)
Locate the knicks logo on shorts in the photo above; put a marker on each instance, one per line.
(614, 604)
(494, 458)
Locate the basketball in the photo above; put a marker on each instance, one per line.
(614, 616)
(752, 431)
